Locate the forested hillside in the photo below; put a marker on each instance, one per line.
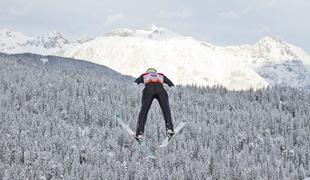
(57, 122)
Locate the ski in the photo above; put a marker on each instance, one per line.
(167, 140)
(145, 149)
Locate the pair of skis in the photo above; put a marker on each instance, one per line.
(145, 149)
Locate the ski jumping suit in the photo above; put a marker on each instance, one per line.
(154, 89)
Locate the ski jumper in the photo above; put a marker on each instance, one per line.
(154, 89)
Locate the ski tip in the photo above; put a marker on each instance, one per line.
(164, 144)
(118, 115)
(151, 157)
(183, 123)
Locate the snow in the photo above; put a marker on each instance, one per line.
(17, 42)
(186, 60)
(183, 59)
(44, 60)
(290, 73)
(64, 125)
(9, 40)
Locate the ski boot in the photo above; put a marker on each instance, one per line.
(139, 138)
(170, 133)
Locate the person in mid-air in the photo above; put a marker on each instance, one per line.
(154, 88)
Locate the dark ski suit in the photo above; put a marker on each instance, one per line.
(154, 89)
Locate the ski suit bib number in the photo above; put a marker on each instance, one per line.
(153, 78)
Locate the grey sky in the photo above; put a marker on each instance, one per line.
(223, 22)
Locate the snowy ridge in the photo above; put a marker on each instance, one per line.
(17, 42)
(188, 61)
(150, 31)
(183, 59)
(269, 51)
(290, 73)
(9, 40)
(51, 40)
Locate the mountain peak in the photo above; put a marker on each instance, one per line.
(271, 41)
(275, 49)
(151, 27)
(55, 34)
(51, 40)
(84, 38)
(6, 33)
(150, 31)
(158, 33)
(129, 51)
(122, 32)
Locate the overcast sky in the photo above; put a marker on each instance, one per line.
(222, 22)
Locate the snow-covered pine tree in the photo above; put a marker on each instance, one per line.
(57, 122)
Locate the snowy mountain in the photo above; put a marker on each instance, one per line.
(183, 59)
(277, 61)
(188, 61)
(290, 73)
(17, 42)
(268, 51)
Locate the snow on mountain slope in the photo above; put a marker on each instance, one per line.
(188, 61)
(290, 73)
(277, 61)
(183, 59)
(150, 31)
(268, 51)
(16, 42)
(9, 39)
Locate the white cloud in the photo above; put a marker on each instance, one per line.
(229, 15)
(182, 14)
(113, 18)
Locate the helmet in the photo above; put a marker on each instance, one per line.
(151, 70)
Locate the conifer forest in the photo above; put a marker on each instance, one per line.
(57, 121)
